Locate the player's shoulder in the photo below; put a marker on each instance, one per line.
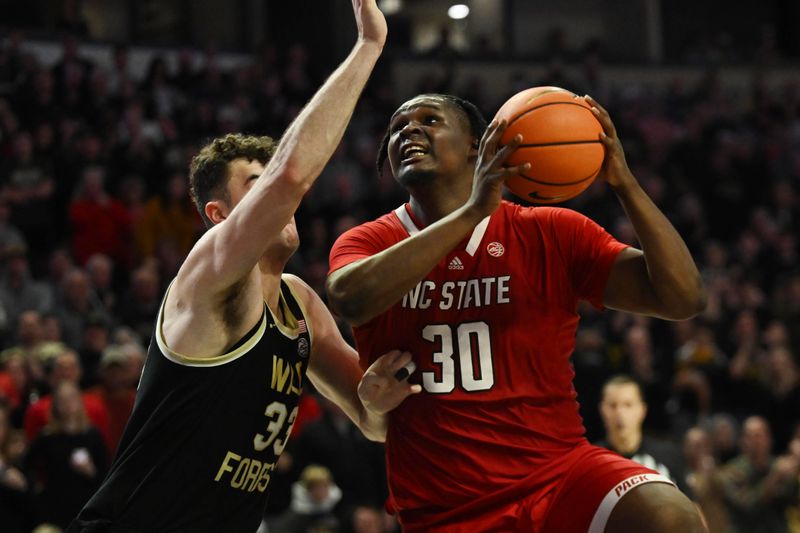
(299, 288)
(540, 212)
(385, 226)
(546, 217)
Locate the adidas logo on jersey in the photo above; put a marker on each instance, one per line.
(455, 264)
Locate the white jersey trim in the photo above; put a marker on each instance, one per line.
(406, 220)
(608, 503)
(474, 240)
(477, 236)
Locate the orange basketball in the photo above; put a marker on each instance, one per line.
(560, 139)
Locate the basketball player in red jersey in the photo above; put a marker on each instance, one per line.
(484, 292)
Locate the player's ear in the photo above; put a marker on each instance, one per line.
(215, 211)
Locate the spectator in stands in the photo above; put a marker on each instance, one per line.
(651, 371)
(623, 410)
(28, 187)
(67, 460)
(15, 502)
(18, 388)
(99, 223)
(169, 216)
(370, 520)
(116, 390)
(96, 335)
(59, 264)
(100, 269)
(724, 433)
(699, 481)
(758, 487)
(77, 304)
(121, 72)
(314, 498)
(29, 335)
(51, 328)
(19, 292)
(143, 301)
(64, 367)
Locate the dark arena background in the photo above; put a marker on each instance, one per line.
(104, 103)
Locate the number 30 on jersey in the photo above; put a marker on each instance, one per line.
(468, 343)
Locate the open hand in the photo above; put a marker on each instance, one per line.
(490, 169)
(379, 390)
(370, 21)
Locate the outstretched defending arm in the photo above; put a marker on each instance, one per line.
(229, 251)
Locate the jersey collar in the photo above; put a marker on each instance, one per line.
(406, 218)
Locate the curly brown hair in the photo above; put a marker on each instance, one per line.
(209, 171)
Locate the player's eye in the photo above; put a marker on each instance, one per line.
(431, 119)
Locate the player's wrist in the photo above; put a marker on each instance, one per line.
(625, 184)
(472, 213)
(369, 45)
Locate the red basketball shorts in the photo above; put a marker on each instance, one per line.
(580, 501)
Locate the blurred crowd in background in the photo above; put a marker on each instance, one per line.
(95, 219)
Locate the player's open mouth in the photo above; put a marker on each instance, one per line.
(412, 152)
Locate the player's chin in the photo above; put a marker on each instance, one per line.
(410, 176)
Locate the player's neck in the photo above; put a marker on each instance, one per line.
(434, 201)
(626, 443)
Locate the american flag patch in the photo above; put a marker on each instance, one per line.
(301, 326)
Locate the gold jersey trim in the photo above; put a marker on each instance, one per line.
(292, 327)
(291, 330)
(217, 360)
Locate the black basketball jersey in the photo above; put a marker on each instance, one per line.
(205, 434)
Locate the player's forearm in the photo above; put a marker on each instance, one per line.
(673, 275)
(304, 150)
(338, 381)
(362, 290)
(312, 138)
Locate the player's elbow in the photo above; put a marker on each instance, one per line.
(690, 303)
(343, 300)
(290, 172)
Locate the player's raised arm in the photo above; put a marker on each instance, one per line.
(335, 372)
(228, 252)
(363, 289)
(662, 279)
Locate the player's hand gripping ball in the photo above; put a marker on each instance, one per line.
(560, 139)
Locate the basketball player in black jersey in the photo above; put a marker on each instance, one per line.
(235, 337)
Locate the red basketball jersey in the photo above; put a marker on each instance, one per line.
(491, 329)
